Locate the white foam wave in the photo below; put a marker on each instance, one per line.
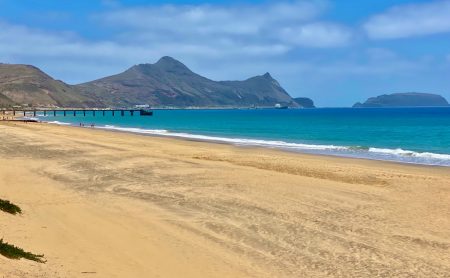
(30, 118)
(58, 123)
(407, 153)
(237, 141)
(399, 155)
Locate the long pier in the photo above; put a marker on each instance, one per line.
(75, 112)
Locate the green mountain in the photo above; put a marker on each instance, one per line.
(24, 84)
(170, 83)
(404, 100)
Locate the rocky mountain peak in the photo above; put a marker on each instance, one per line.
(168, 63)
(267, 75)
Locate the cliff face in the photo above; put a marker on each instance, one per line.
(304, 102)
(24, 84)
(170, 83)
(404, 100)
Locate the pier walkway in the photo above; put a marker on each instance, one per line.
(76, 112)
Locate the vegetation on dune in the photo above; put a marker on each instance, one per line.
(14, 252)
(9, 250)
(9, 207)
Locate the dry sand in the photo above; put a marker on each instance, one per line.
(108, 204)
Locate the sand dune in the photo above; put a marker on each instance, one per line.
(108, 204)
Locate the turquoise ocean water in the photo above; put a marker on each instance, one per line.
(410, 135)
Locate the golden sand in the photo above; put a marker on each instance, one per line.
(108, 204)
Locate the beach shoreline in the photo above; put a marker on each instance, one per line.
(118, 204)
(229, 141)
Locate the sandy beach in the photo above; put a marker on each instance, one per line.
(108, 204)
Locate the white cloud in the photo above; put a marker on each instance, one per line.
(214, 19)
(256, 26)
(196, 34)
(55, 52)
(24, 41)
(317, 35)
(21, 40)
(410, 20)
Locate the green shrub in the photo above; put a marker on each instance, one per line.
(14, 252)
(9, 207)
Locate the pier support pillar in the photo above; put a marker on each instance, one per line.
(54, 113)
(132, 113)
(65, 113)
(74, 113)
(93, 113)
(122, 113)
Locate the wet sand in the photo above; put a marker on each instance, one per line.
(108, 204)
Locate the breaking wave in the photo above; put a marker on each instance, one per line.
(397, 155)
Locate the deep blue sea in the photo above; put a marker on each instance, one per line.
(409, 135)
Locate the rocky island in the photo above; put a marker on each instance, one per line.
(404, 100)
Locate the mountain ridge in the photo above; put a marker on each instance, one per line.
(168, 82)
(27, 84)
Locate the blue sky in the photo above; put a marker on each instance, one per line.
(336, 52)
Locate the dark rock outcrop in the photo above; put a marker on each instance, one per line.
(304, 102)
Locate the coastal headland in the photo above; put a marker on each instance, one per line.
(99, 203)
